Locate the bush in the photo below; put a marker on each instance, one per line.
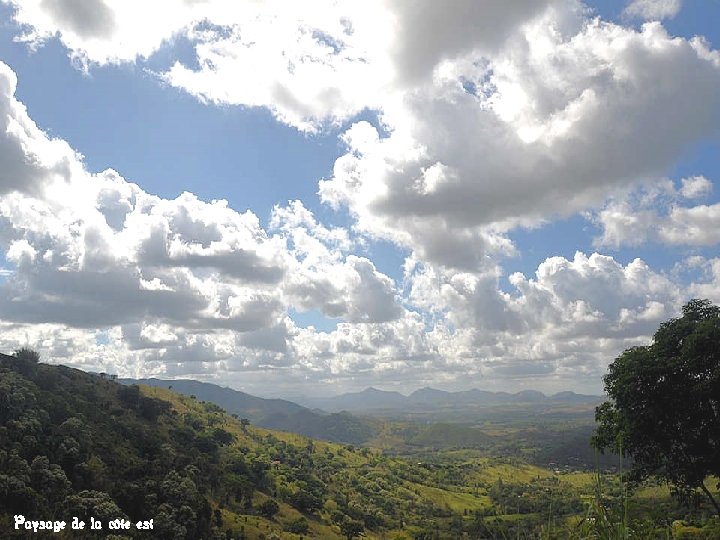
(268, 508)
(298, 526)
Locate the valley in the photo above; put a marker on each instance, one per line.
(82, 444)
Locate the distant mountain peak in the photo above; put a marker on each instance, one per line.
(373, 390)
(429, 390)
(533, 395)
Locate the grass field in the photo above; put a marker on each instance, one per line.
(453, 481)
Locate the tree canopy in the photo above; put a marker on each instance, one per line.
(27, 354)
(664, 408)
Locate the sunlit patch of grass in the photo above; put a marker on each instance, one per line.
(457, 502)
(578, 479)
(509, 473)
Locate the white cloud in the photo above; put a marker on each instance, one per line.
(657, 213)
(691, 226)
(491, 115)
(309, 64)
(653, 9)
(568, 321)
(710, 286)
(549, 129)
(103, 32)
(30, 159)
(695, 187)
(536, 111)
(353, 290)
(73, 268)
(324, 277)
(86, 20)
(428, 33)
(597, 297)
(99, 251)
(311, 239)
(587, 297)
(179, 276)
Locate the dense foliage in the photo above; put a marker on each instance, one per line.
(76, 444)
(665, 402)
(72, 444)
(276, 414)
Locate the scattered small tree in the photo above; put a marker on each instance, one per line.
(351, 529)
(27, 354)
(27, 360)
(298, 526)
(664, 408)
(268, 508)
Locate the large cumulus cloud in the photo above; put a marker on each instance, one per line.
(481, 118)
(547, 127)
(166, 281)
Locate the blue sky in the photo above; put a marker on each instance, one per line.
(164, 139)
(441, 239)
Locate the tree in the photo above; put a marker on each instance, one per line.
(89, 503)
(351, 528)
(664, 408)
(268, 508)
(129, 395)
(27, 360)
(298, 526)
(27, 354)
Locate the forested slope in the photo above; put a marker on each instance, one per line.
(73, 444)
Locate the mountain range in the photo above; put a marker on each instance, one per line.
(372, 399)
(276, 414)
(358, 417)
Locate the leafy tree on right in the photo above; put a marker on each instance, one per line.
(664, 408)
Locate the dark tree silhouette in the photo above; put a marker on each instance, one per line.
(268, 508)
(27, 360)
(27, 354)
(351, 529)
(664, 408)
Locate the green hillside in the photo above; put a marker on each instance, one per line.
(73, 444)
(554, 436)
(276, 414)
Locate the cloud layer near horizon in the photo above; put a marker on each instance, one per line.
(547, 113)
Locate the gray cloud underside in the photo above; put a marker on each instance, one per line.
(545, 112)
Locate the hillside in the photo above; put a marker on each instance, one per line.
(251, 407)
(274, 413)
(77, 444)
(74, 444)
(472, 422)
(496, 430)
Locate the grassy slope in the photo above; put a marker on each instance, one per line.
(456, 498)
(355, 473)
(253, 526)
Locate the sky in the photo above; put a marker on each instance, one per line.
(311, 198)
